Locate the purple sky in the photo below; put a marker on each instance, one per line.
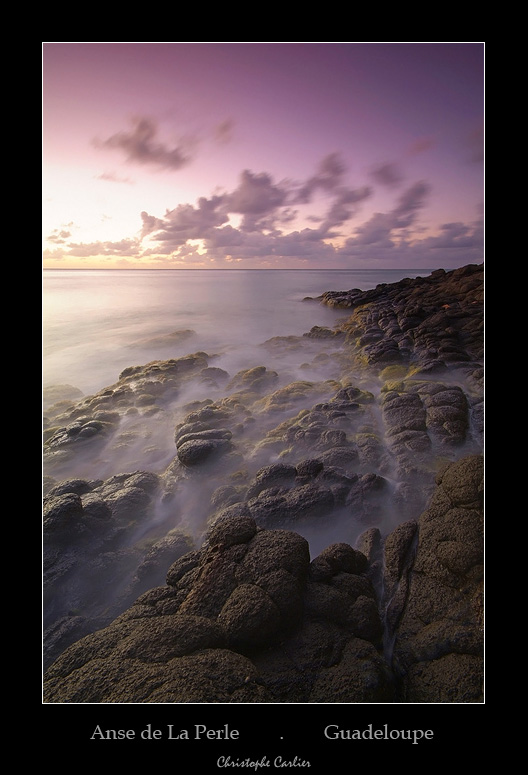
(249, 155)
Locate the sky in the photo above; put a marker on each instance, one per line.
(262, 155)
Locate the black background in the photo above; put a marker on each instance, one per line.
(265, 732)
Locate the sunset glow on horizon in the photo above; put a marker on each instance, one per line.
(263, 155)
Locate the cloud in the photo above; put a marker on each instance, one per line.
(344, 207)
(420, 145)
(113, 177)
(185, 222)
(412, 200)
(257, 221)
(223, 132)
(265, 209)
(257, 199)
(59, 237)
(443, 250)
(387, 174)
(328, 177)
(456, 236)
(150, 224)
(141, 146)
(305, 244)
(376, 231)
(124, 247)
(380, 229)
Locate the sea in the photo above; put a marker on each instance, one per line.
(98, 322)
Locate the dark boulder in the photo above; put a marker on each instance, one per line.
(248, 610)
(438, 638)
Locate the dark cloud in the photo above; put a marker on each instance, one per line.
(412, 200)
(150, 224)
(344, 207)
(376, 231)
(387, 174)
(265, 207)
(328, 177)
(380, 229)
(141, 145)
(257, 199)
(452, 247)
(305, 244)
(256, 194)
(186, 222)
(456, 236)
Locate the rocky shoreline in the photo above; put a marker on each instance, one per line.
(280, 540)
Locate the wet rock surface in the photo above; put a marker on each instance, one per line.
(301, 540)
(250, 618)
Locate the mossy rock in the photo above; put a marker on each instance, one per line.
(49, 432)
(395, 372)
(397, 387)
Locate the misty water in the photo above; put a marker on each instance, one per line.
(98, 323)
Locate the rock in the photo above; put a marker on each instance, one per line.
(276, 475)
(172, 546)
(77, 432)
(303, 631)
(285, 508)
(182, 566)
(337, 558)
(231, 531)
(254, 380)
(95, 507)
(395, 618)
(62, 512)
(245, 596)
(320, 332)
(361, 674)
(439, 632)
(164, 340)
(249, 617)
(56, 394)
(198, 451)
(77, 486)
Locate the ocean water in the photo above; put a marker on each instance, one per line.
(96, 323)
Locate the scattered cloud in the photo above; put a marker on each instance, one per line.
(328, 177)
(185, 222)
(421, 145)
(141, 145)
(124, 247)
(257, 220)
(113, 177)
(343, 208)
(59, 237)
(412, 200)
(382, 228)
(224, 131)
(387, 174)
(257, 199)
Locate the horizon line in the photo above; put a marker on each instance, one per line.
(236, 269)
